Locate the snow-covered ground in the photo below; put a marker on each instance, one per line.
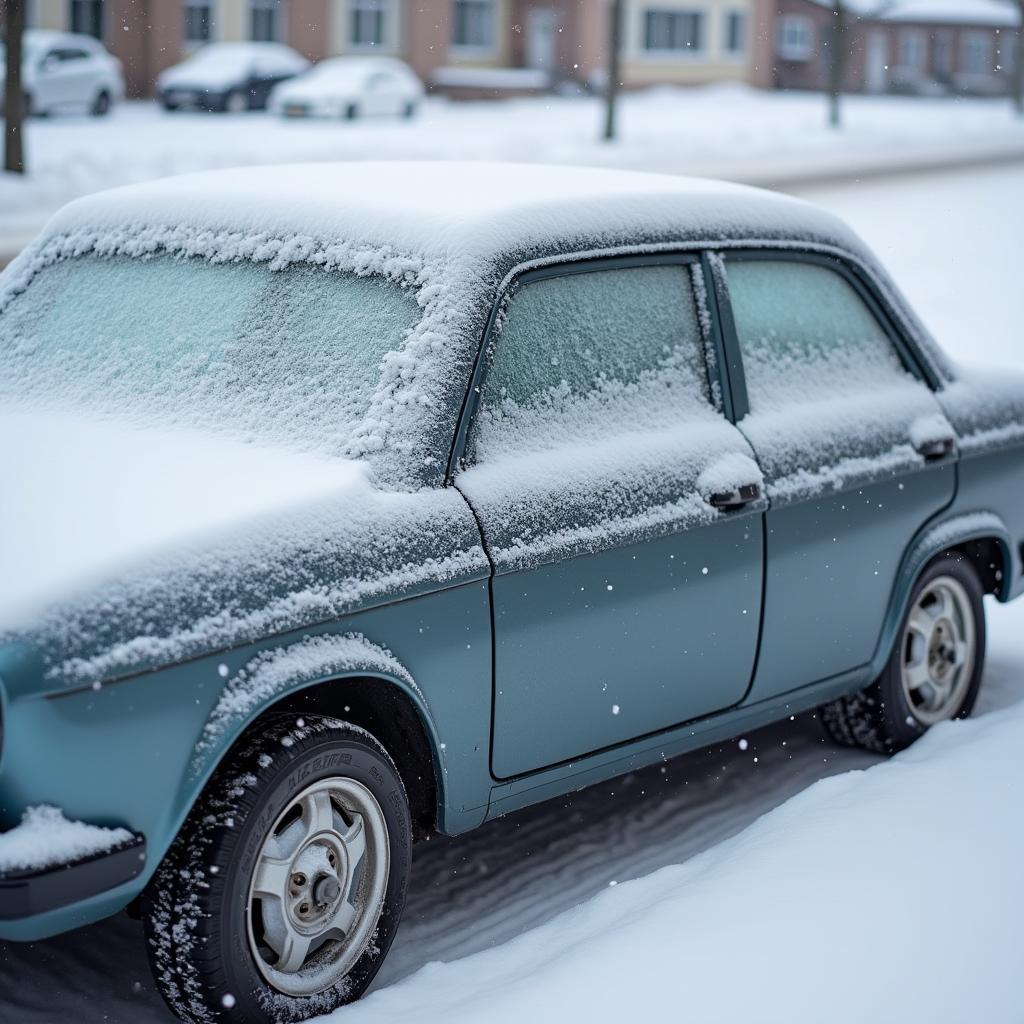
(724, 131)
(752, 883)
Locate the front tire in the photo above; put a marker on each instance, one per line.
(101, 105)
(281, 896)
(935, 668)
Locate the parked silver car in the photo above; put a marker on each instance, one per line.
(66, 71)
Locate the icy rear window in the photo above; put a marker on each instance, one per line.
(290, 356)
(806, 335)
(593, 354)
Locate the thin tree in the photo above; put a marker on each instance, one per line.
(14, 104)
(837, 44)
(611, 93)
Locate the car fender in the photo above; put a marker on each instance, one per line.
(935, 538)
(274, 675)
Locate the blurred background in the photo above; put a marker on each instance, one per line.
(784, 93)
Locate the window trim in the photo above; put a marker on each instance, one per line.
(662, 53)
(789, 49)
(469, 50)
(568, 268)
(906, 349)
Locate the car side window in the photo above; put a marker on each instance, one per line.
(806, 334)
(66, 55)
(592, 354)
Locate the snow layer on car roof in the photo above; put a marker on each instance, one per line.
(477, 209)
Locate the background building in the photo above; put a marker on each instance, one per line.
(913, 46)
(505, 47)
(665, 41)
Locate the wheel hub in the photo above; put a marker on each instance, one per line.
(939, 651)
(318, 887)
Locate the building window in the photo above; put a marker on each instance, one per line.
(913, 50)
(942, 55)
(976, 53)
(198, 15)
(370, 23)
(87, 17)
(265, 20)
(735, 32)
(796, 37)
(673, 30)
(473, 24)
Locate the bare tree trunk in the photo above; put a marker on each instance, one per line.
(14, 112)
(837, 63)
(1017, 71)
(614, 54)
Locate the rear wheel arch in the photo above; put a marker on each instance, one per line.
(980, 538)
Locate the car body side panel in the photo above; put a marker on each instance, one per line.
(599, 649)
(832, 564)
(123, 754)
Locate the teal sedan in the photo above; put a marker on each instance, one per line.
(350, 504)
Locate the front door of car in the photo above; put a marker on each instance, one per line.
(855, 452)
(65, 78)
(606, 481)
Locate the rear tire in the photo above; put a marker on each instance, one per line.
(302, 841)
(934, 671)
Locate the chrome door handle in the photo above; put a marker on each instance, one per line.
(729, 501)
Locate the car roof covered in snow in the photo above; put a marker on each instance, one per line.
(448, 210)
(462, 226)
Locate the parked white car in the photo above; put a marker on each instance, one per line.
(228, 77)
(350, 87)
(64, 71)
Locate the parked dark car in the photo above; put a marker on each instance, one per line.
(349, 504)
(231, 77)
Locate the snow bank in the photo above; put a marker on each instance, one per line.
(865, 887)
(45, 838)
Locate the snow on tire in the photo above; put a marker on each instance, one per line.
(283, 892)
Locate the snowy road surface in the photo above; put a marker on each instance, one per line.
(722, 131)
(949, 238)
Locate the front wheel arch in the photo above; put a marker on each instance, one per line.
(381, 704)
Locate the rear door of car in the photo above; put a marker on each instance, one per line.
(854, 448)
(619, 507)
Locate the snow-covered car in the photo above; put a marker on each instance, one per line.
(350, 87)
(231, 77)
(349, 504)
(64, 72)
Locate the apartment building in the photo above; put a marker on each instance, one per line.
(540, 41)
(962, 47)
